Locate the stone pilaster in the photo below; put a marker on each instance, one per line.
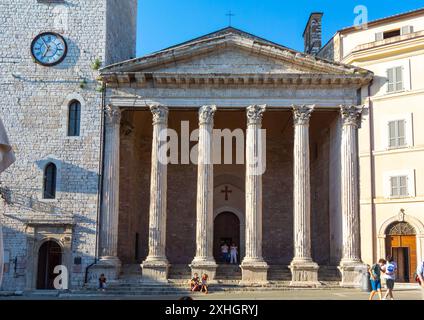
(156, 266)
(109, 263)
(304, 270)
(351, 265)
(254, 268)
(204, 261)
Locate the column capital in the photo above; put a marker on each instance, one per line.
(160, 114)
(302, 113)
(255, 114)
(113, 114)
(351, 115)
(206, 114)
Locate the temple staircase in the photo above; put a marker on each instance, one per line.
(227, 279)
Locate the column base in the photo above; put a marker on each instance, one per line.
(304, 273)
(201, 266)
(254, 272)
(352, 273)
(155, 271)
(109, 266)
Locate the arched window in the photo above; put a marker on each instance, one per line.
(74, 118)
(49, 188)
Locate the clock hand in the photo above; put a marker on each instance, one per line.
(44, 41)
(47, 50)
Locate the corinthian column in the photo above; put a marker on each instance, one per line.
(304, 270)
(254, 268)
(351, 265)
(155, 267)
(203, 261)
(109, 262)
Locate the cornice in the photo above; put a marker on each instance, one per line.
(144, 79)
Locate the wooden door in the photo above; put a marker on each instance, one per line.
(404, 251)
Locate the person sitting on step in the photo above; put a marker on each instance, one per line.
(195, 283)
(102, 282)
(205, 283)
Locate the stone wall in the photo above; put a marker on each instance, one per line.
(34, 110)
(121, 24)
(331, 50)
(277, 188)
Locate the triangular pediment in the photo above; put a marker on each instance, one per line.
(228, 60)
(231, 52)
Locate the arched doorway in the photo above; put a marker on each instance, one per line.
(49, 256)
(226, 229)
(401, 244)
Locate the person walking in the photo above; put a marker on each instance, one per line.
(390, 275)
(233, 253)
(375, 278)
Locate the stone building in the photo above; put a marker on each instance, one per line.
(90, 190)
(391, 138)
(36, 103)
(179, 214)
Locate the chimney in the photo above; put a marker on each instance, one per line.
(312, 34)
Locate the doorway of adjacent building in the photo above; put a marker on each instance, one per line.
(49, 256)
(401, 244)
(226, 229)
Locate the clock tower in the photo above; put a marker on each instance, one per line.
(52, 108)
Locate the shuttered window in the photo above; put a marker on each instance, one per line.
(397, 134)
(399, 186)
(394, 79)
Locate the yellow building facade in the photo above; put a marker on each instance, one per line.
(391, 138)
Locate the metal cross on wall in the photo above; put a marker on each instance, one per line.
(226, 191)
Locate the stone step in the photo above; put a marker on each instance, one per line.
(132, 273)
(175, 289)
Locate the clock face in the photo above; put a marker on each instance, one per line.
(49, 49)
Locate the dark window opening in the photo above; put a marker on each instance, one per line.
(74, 119)
(49, 191)
(391, 34)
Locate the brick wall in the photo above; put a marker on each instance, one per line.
(277, 189)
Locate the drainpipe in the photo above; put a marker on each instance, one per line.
(372, 166)
(100, 181)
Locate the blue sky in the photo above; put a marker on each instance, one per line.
(162, 23)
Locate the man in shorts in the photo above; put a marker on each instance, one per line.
(390, 275)
(375, 278)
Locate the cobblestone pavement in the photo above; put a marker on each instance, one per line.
(411, 293)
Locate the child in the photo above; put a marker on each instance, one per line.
(375, 278)
(195, 283)
(204, 283)
(102, 282)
